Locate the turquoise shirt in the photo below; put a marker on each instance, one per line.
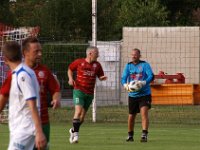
(141, 71)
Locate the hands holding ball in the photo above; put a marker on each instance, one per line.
(134, 86)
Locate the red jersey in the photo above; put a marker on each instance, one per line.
(5, 88)
(86, 74)
(46, 81)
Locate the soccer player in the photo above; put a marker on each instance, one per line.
(87, 69)
(24, 102)
(32, 56)
(138, 101)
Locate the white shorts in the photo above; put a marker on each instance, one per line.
(21, 142)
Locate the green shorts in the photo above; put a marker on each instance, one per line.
(83, 99)
(46, 131)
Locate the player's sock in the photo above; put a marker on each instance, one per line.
(130, 136)
(130, 133)
(76, 125)
(144, 136)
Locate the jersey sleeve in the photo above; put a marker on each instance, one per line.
(53, 85)
(26, 86)
(5, 88)
(100, 72)
(149, 72)
(125, 75)
(74, 65)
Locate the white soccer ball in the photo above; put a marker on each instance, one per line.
(134, 86)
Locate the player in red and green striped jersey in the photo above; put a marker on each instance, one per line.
(87, 69)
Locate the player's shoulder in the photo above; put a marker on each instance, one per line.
(80, 60)
(42, 67)
(24, 73)
(24, 69)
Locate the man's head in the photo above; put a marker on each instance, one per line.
(135, 54)
(12, 52)
(32, 51)
(92, 53)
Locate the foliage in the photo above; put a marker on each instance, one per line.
(6, 15)
(142, 13)
(25, 11)
(107, 12)
(181, 11)
(67, 20)
(58, 57)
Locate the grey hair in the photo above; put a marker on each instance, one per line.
(136, 49)
(90, 48)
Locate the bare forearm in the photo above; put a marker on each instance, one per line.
(70, 74)
(3, 101)
(56, 96)
(56, 100)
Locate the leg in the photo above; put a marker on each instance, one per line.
(133, 110)
(145, 105)
(131, 124)
(82, 117)
(145, 117)
(145, 123)
(80, 99)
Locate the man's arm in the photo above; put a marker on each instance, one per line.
(4, 92)
(54, 88)
(149, 73)
(102, 78)
(3, 101)
(56, 100)
(40, 140)
(70, 76)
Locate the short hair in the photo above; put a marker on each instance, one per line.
(136, 49)
(27, 41)
(90, 48)
(12, 51)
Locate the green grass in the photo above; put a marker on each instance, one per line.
(171, 128)
(181, 114)
(111, 136)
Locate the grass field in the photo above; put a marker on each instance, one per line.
(110, 134)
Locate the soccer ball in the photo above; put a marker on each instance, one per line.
(134, 86)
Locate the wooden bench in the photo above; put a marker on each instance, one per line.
(176, 94)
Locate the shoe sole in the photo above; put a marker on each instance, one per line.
(70, 139)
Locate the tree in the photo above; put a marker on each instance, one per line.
(181, 11)
(107, 13)
(66, 19)
(6, 15)
(142, 13)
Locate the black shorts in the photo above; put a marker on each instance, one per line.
(135, 103)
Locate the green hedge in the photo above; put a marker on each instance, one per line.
(58, 57)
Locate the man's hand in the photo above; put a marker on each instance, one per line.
(40, 141)
(126, 87)
(71, 82)
(55, 103)
(102, 78)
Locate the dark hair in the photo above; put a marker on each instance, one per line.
(27, 41)
(12, 51)
(136, 49)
